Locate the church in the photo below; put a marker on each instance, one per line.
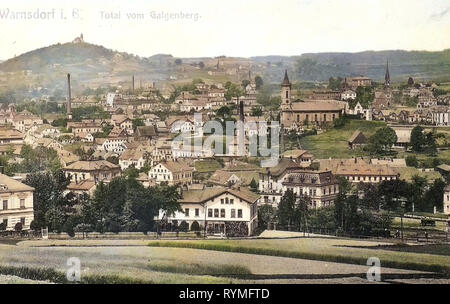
(298, 113)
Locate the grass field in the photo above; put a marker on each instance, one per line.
(206, 166)
(291, 261)
(332, 250)
(334, 143)
(408, 173)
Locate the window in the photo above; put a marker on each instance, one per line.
(216, 212)
(287, 94)
(226, 201)
(231, 201)
(22, 203)
(5, 222)
(222, 201)
(239, 213)
(22, 221)
(5, 205)
(222, 212)
(324, 117)
(210, 213)
(197, 212)
(233, 213)
(186, 212)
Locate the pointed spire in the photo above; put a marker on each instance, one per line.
(286, 81)
(387, 77)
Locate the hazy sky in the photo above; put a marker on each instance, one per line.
(231, 27)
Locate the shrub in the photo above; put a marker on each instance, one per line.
(411, 161)
(18, 227)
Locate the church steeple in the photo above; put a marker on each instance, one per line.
(286, 90)
(387, 77)
(286, 81)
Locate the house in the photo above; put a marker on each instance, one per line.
(233, 212)
(145, 133)
(359, 171)
(85, 127)
(355, 82)
(132, 157)
(357, 140)
(224, 178)
(172, 173)
(95, 170)
(10, 136)
(301, 157)
(321, 186)
(348, 95)
(17, 203)
(84, 187)
(447, 200)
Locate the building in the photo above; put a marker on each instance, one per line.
(357, 140)
(348, 95)
(10, 136)
(447, 200)
(359, 171)
(172, 173)
(224, 178)
(321, 186)
(355, 82)
(17, 203)
(298, 113)
(301, 157)
(95, 170)
(132, 157)
(326, 95)
(233, 212)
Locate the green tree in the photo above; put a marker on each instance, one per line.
(382, 141)
(418, 140)
(412, 161)
(286, 209)
(259, 82)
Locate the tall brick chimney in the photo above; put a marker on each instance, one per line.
(69, 98)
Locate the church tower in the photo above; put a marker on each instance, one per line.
(387, 77)
(286, 90)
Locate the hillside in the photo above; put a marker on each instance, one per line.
(96, 65)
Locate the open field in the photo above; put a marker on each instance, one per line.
(333, 250)
(205, 166)
(130, 260)
(408, 173)
(334, 143)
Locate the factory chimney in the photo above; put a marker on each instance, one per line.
(69, 99)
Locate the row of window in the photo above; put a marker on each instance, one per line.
(316, 119)
(223, 213)
(22, 221)
(5, 204)
(370, 178)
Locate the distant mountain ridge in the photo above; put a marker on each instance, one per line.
(89, 61)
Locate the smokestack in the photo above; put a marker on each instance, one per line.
(132, 82)
(241, 110)
(69, 98)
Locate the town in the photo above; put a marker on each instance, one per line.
(355, 157)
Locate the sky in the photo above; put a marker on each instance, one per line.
(206, 28)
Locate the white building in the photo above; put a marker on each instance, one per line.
(233, 212)
(447, 200)
(348, 95)
(17, 203)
